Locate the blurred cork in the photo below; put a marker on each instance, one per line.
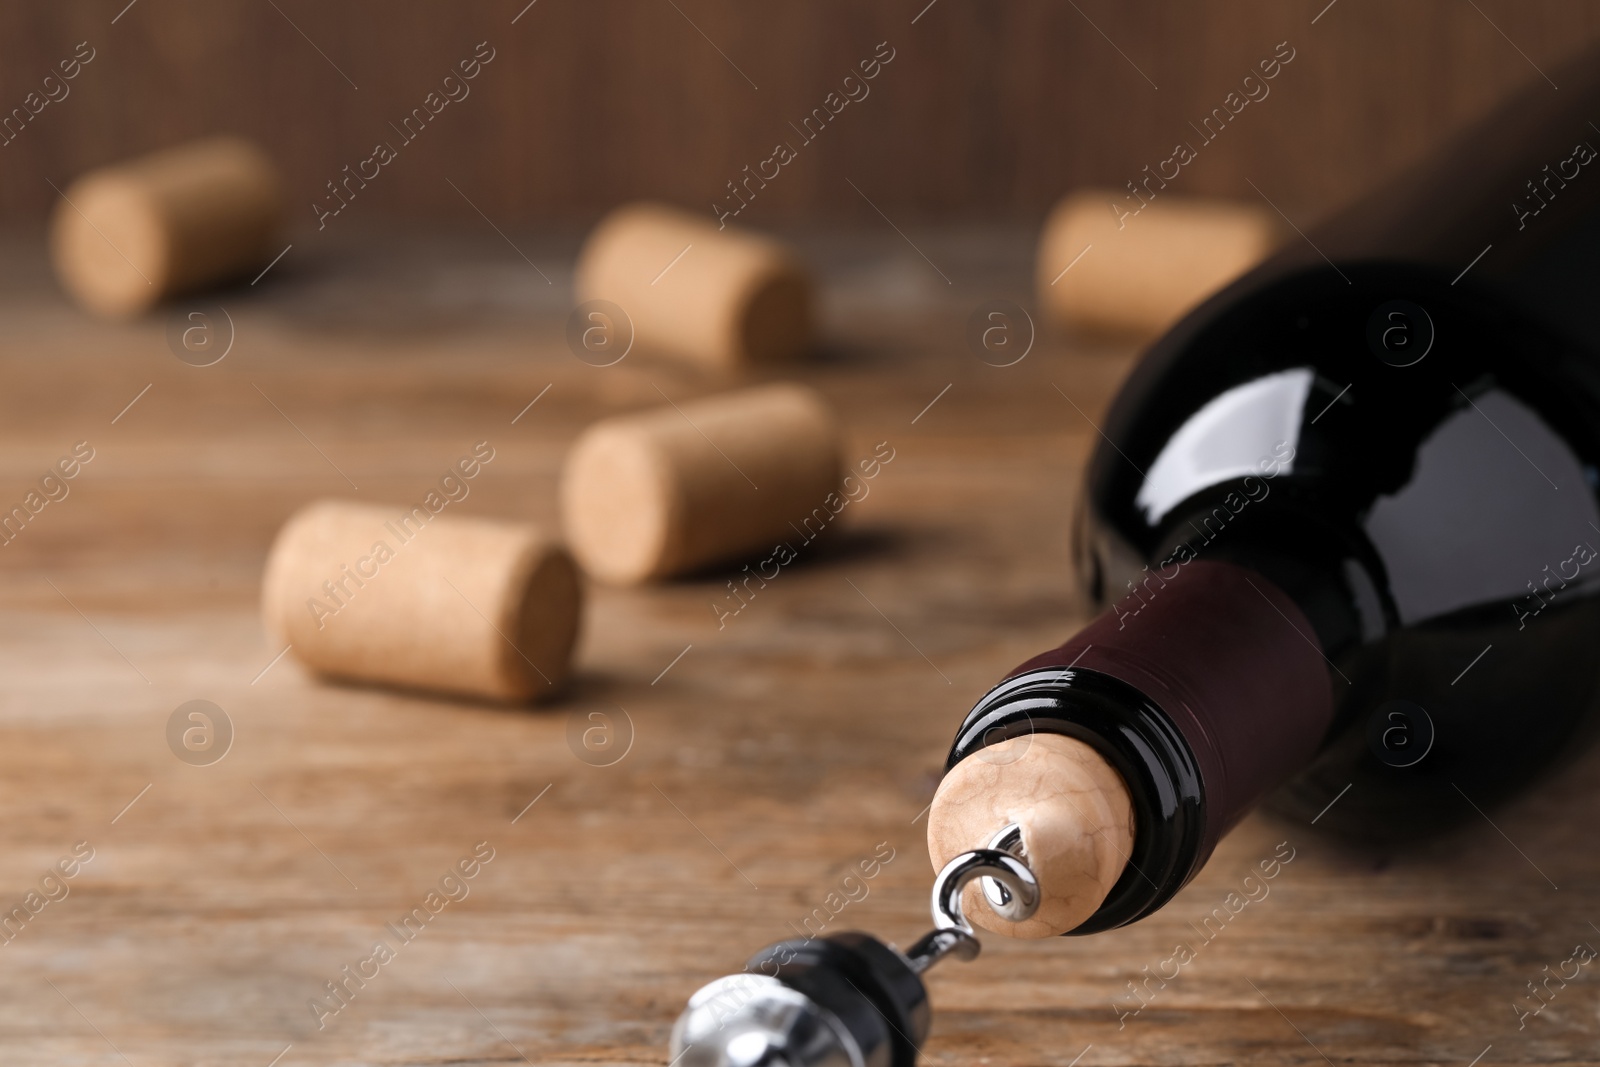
(1108, 266)
(678, 487)
(713, 297)
(408, 598)
(128, 236)
(1075, 816)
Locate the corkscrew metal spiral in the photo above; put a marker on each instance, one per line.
(849, 1000)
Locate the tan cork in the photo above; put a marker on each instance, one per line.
(126, 237)
(713, 297)
(678, 487)
(404, 598)
(1074, 812)
(1141, 272)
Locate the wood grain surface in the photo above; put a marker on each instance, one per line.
(988, 111)
(767, 759)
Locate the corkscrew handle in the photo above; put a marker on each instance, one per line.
(847, 999)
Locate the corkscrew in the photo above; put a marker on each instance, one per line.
(849, 1000)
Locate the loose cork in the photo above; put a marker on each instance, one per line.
(1074, 812)
(1142, 272)
(128, 236)
(678, 487)
(714, 297)
(405, 598)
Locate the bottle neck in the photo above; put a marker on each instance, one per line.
(1205, 687)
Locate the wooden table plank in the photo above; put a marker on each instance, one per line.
(774, 755)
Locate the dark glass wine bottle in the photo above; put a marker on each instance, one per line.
(1344, 519)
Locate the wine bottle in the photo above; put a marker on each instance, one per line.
(1344, 526)
(1344, 523)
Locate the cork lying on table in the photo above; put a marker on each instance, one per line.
(682, 486)
(1107, 264)
(1074, 812)
(458, 605)
(128, 236)
(714, 297)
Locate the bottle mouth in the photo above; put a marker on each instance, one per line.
(1140, 741)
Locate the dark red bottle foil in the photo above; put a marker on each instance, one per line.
(1234, 664)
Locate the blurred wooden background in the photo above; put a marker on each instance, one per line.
(988, 111)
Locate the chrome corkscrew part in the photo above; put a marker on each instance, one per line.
(1009, 887)
(848, 1000)
(1009, 839)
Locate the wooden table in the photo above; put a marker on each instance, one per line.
(767, 758)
